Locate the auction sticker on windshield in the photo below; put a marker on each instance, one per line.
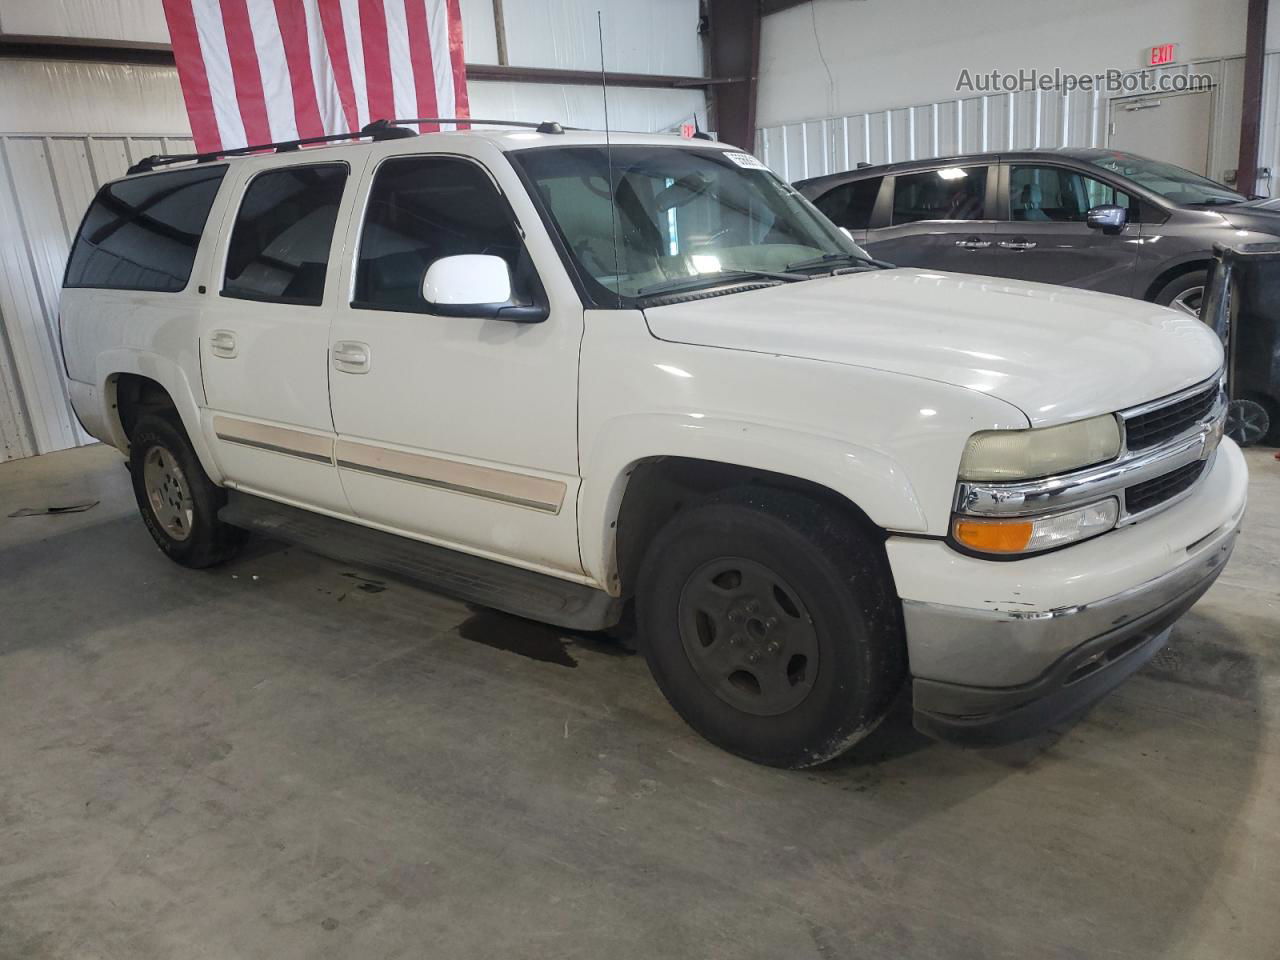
(746, 161)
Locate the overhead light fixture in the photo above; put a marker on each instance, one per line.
(952, 173)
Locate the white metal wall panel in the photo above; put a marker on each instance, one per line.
(62, 96)
(133, 20)
(655, 36)
(1008, 121)
(46, 183)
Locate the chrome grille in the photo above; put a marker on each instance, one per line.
(1153, 427)
(1152, 493)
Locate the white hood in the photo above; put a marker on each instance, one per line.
(1056, 353)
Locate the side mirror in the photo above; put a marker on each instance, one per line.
(1108, 218)
(475, 285)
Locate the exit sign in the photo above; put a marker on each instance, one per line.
(1164, 53)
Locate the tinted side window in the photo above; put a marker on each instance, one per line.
(849, 205)
(952, 193)
(279, 246)
(421, 209)
(142, 233)
(1058, 194)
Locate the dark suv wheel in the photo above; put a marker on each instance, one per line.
(1185, 292)
(771, 625)
(178, 501)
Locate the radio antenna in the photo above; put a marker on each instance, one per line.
(608, 159)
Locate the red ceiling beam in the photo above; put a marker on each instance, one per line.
(733, 39)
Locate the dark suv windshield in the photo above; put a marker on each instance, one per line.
(680, 214)
(1171, 182)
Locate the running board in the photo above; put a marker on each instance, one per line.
(461, 575)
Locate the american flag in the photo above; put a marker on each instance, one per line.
(260, 71)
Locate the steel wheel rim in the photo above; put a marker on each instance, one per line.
(748, 636)
(1188, 301)
(168, 493)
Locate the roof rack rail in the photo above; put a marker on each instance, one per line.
(546, 126)
(377, 130)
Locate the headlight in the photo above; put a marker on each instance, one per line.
(1027, 454)
(1017, 535)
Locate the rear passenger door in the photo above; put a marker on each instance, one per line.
(1047, 237)
(265, 334)
(945, 218)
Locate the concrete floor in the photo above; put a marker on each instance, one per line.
(285, 758)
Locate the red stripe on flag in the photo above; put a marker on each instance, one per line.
(246, 71)
(377, 60)
(462, 108)
(424, 78)
(192, 75)
(297, 53)
(335, 39)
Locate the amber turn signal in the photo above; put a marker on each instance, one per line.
(994, 536)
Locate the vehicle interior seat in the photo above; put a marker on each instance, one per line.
(1031, 203)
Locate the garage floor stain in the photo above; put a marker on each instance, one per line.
(199, 765)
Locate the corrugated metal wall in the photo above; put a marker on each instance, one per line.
(46, 182)
(1006, 121)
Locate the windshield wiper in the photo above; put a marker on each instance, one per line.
(681, 284)
(1217, 202)
(831, 259)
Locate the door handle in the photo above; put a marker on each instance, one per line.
(222, 343)
(1018, 244)
(973, 243)
(351, 356)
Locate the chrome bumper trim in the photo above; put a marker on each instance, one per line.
(1039, 637)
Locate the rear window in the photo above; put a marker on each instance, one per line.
(952, 193)
(142, 233)
(280, 243)
(849, 205)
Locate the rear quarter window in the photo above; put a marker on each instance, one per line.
(850, 205)
(143, 233)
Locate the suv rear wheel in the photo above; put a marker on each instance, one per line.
(770, 624)
(178, 501)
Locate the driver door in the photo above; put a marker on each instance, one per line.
(1047, 237)
(457, 430)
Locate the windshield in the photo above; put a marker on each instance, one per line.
(685, 219)
(1171, 182)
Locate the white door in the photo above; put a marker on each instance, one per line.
(458, 430)
(265, 335)
(1177, 128)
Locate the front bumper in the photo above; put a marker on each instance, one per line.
(999, 650)
(1134, 626)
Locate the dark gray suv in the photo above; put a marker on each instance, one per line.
(1097, 219)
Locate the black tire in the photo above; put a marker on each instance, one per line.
(190, 496)
(1181, 285)
(840, 607)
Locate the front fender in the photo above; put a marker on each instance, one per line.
(111, 363)
(868, 478)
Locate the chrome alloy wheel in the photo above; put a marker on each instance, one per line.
(748, 636)
(1188, 301)
(168, 493)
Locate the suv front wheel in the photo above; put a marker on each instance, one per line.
(770, 623)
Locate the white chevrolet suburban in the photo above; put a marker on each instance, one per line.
(558, 375)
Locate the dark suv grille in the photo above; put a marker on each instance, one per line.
(1149, 429)
(1151, 493)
